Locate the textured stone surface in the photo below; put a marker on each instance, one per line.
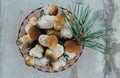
(89, 65)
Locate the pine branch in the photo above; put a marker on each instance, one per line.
(80, 25)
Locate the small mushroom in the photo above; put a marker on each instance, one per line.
(42, 61)
(60, 63)
(51, 41)
(46, 22)
(42, 39)
(51, 55)
(59, 22)
(36, 51)
(25, 41)
(53, 9)
(72, 46)
(31, 22)
(58, 50)
(29, 61)
(50, 10)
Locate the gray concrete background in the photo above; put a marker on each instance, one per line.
(91, 64)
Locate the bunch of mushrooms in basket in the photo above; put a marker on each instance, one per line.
(55, 44)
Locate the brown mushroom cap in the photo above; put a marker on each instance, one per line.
(60, 17)
(51, 55)
(54, 32)
(29, 61)
(72, 46)
(34, 32)
(53, 9)
(51, 41)
(59, 22)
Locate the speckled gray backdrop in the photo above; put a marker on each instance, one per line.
(91, 64)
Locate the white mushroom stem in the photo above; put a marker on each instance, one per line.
(36, 51)
(46, 22)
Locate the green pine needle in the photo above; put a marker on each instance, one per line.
(80, 25)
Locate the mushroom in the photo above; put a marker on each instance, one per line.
(65, 33)
(59, 22)
(57, 64)
(58, 50)
(36, 51)
(29, 61)
(50, 41)
(71, 49)
(34, 32)
(51, 55)
(31, 22)
(24, 42)
(53, 9)
(72, 46)
(46, 22)
(42, 61)
(54, 53)
(42, 39)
